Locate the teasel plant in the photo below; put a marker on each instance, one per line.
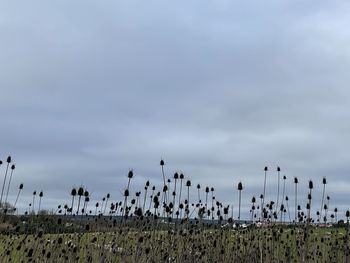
(126, 192)
(33, 207)
(188, 185)
(278, 185)
(199, 195)
(86, 200)
(80, 194)
(19, 191)
(240, 188)
(253, 208)
(296, 199)
(311, 186)
(264, 193)
(145, 196)
(107, 198)
(73, 193)
(206, 197)
(13, 166)
(181, 179)
(162, 163)
(283, 190)
(41, 194)
(8, 160)
(324, 182)
(335, 214)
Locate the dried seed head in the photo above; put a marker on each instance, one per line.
(162, 162)
(81, 191)
(311, 185)
(41, 194)
(278, 169)
(188, 183)
(9, 159)
(240, 186)
(324, 180)
(21, 186)
(130, 174)
(182, 176)
(176, 176)
(13, 167)
(296, 180)
(265, 169)
(74, 192)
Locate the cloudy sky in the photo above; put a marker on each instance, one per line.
(219, 89)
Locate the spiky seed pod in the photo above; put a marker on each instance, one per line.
(284, 177)
(324, 180)
(81, 191)
(328, 197)
(212, 189)
(41, 194)
(97, 204)
(278, 169)
(287, 198)
(198, 186)
(207, 189)
(108, 195)
(309, 197)
(153, 188)
(0, 162)
(188, 183)
(126, 192)
(182, 176)
(147, 183)
(13, 167)
(130, 174)
(240, 186)
(265, 169)
(74, 192)
(176, 176)
(86, 193)
(165, 188)
(311, 185)
(296, 180)
(34, 193)
(335, 210)
(104, 199)
(253, 199)
(9, 159)
(347, 214)
(261, 196)
(162, 162)
(21, 186)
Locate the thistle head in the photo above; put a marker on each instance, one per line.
(81, 191)
(311, 185)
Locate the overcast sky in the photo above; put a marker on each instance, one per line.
(219, 89)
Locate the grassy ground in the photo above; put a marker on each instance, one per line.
(181, 244)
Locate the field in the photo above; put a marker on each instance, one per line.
(103, 239)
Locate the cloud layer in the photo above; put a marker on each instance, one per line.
(219, 89)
